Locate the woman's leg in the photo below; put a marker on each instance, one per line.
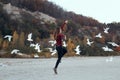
(59, 50)
(64, 51)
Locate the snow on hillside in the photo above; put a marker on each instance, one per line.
(12, 10)
(15, 13)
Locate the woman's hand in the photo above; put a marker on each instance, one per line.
(66, 21)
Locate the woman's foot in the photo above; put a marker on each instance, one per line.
(55, 70)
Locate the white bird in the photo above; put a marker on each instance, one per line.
(15, 51)
(106, 48)
(9, 37)
(110, 59)
(64, 44)
(113, 44)
(30, 37)
(77, 49)
(32, 45)
(88, 42)
(52, 51)
(36, 56)
(37, 47)
(52, 42)
(106, 30)
(99, 35)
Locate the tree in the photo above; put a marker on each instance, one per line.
(1, 42)
(85, 40)
(44, 33)
(22, 39)
(15, 39)
(37, 40)
(5, 44)
(70, 47)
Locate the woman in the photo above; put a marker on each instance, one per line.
(59, 37)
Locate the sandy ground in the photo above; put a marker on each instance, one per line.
(72, 68)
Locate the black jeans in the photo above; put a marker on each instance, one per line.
(61, 51)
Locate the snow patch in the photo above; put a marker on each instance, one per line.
(15, 13)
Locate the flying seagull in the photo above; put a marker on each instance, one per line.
(99, 35)
(15, 51)
(37, 47)
(113, 44)
(36, 56)
(64, 44)
(9, 37)
(88, 42)
(52, 51)
(106, 30)
(30, 37)
(77, 50)
(52, 42)
(106, 48)
(32, 45)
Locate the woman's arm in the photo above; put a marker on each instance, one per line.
(63, 25)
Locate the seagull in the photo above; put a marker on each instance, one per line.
(106, 48)
(15, 51)
(36, 56)
(99, 35)
(64, 44)
(113, 44)
(32, 45)
(30, 37)
(37, 47)
(52, 42)
(52, 51)
(9, 37)
(77, 50)
(106, 30)
(88, 42)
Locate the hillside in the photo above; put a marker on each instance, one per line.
(53, 10)
(21, 19)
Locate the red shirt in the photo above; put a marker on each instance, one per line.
(59, 39)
